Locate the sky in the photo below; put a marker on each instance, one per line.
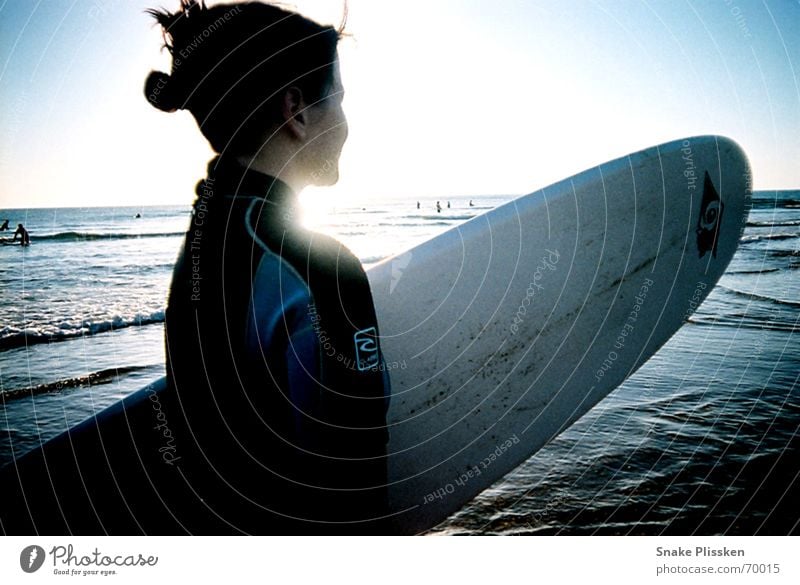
(444, 98)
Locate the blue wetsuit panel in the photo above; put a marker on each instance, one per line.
(279, 332)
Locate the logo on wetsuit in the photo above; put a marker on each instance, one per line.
(366, 348)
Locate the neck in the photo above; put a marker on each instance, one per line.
(276, 159)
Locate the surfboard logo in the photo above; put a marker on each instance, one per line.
(366, 348)
(31, 558)
(710, 219)
(399, 265)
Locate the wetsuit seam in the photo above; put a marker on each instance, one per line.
(283, 263)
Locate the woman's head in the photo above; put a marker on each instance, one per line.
(233, 64)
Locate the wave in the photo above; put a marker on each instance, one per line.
(764, 271)
(85, 381)
(373, 259)
(413, 224)
(11, 337)
(776, 199)
(755, 297)
(446, 217)
(768, 237)
(784, 253)
(746, 322)
(91, 236)
(784, 223)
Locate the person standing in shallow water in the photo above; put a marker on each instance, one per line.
(273, 351)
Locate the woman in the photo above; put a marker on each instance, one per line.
(272, 341)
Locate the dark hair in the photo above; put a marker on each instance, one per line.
(231, 63)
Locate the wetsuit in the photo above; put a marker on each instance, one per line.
(25, 238)
(273, 357)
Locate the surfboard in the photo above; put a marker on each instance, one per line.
(501, 332)
(505, 330)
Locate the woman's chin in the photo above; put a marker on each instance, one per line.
(328, 180)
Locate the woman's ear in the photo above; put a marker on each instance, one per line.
(293, 111)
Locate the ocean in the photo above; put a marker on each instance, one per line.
(703, 439)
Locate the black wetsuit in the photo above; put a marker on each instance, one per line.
(24, 237)
(273, 356)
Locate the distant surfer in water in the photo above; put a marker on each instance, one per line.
(24, 236)
(438, 207)
(4, 227)
(273, 353)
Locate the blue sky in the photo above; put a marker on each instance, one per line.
(444, 98)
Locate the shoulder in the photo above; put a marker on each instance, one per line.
(277, 283)
(331, 256)
(279, 301)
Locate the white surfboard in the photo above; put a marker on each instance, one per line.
(503, 331)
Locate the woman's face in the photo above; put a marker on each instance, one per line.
(327, 133)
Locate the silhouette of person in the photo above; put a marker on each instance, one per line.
(25, 238)
(272, 111)
(448, 205)
(4, 227)
(471, 204)
(438, 207)
(417, 208)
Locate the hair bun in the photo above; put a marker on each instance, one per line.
(158, 91)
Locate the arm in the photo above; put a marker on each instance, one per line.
(280, 334)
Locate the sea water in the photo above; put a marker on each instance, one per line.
(702, 439)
